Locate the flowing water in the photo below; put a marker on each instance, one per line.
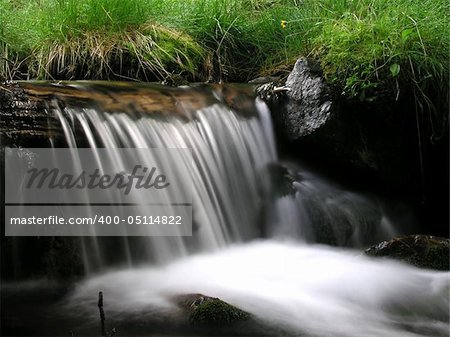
(317, 210)
(255, 225)
(230, 154)
(306, 289)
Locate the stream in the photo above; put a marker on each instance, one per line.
(269, 236)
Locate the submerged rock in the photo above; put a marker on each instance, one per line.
(422, 251)
(210, 311)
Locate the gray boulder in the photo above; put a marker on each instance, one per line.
(309, 104)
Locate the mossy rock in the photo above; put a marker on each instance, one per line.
(422, 251)
(209, 311)
(216, 312)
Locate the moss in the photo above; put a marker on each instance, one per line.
(216, 312)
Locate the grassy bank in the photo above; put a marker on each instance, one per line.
(362, 44)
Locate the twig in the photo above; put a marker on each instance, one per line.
(102, 313)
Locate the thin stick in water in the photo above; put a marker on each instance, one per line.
(102, 313)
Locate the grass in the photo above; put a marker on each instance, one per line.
(385, 40)
(93, 39)
(364, 46)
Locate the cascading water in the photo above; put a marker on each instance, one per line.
(317, 211)
(230, 154)
(241, 193)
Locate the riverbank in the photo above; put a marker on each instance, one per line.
(367, 49)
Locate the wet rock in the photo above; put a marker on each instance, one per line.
(300, 103)
(24, 120)
(196, 314)
(209, 311)
(216, 312)
(422, 251)
(309, 104)
(281, 180)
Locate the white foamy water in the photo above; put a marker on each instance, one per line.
(307, 290)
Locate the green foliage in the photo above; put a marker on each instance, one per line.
(364, 45)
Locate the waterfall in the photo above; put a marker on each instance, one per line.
(240, 190)
(230, 154)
